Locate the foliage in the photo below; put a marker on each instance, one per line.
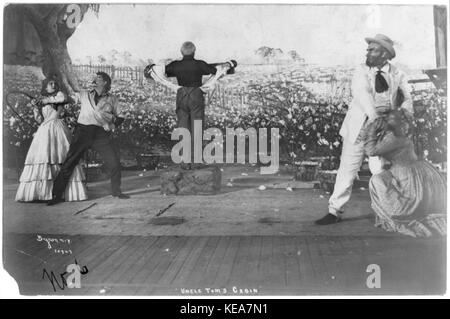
(308, 123)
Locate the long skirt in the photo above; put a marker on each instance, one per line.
(410, 199)
(47, 152)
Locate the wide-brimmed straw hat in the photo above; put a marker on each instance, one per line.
(385, 42)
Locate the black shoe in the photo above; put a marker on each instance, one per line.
(54, 201)
(122, 196)
(328, 219)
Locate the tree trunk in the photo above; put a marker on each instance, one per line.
(50, 24)
(57, 63)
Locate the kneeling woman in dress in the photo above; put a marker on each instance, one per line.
(48, 151)
(410, 197)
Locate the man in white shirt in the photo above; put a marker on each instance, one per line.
(99, 114)
(377, 87)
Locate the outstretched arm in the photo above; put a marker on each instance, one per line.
(76, 96)
(221, 70)
(208, 69)
(118, 112)
(158, 74)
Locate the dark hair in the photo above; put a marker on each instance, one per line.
(45, 82)
(107, 79)
(405, 125)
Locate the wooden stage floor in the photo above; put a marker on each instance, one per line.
(240, 242)
(226, 265)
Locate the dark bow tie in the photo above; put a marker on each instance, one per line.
(380, 83)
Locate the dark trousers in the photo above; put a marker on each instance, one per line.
(96, 138)
(190, 106)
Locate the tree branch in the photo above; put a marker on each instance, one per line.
(53, 15)
(32, 10)
(44, 31)
(55, 10)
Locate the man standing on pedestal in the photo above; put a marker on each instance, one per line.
(377, 87)
(190, 101)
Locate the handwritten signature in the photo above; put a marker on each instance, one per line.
(73, 280)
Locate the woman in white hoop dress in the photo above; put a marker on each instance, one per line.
(48, 151)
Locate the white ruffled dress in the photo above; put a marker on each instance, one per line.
(47, 152)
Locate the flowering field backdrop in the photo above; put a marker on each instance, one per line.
(307, 104)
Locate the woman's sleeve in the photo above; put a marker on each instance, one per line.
(388, 143)
(58, 98)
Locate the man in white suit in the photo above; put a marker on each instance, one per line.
(377, 87)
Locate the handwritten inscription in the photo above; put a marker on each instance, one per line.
(58, 245)
(49, 240)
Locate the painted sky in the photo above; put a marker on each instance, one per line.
(322, 34)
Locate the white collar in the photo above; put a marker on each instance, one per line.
(386, 68)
